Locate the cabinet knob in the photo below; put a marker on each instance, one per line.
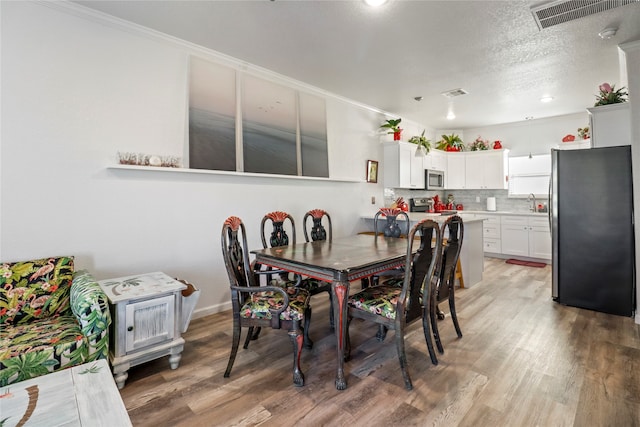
(130, 328)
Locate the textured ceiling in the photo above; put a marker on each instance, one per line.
(385, 57)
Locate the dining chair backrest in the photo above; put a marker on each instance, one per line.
(453, 228)
(318, 230)
(392, 227)
(236, 257)
(278, 235)
(423, 264)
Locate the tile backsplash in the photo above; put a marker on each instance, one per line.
(467, 198)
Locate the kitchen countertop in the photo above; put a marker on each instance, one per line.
(521, 213)
(470, 216)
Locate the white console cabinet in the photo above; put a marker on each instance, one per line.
(146, 321)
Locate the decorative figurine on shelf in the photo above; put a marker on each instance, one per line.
(583, 133)
(497, 145)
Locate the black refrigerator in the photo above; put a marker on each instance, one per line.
(592, 229)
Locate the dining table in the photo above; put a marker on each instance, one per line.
(339, 262)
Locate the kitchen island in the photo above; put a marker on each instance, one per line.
(471, 253)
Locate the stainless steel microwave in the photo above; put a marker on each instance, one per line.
(433, 179)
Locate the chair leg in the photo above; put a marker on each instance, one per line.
(308, 344)
(382, 333)
(256, 333)
(427, 336)
(234, 347)
(436, 333)
(249, 335)
(402, 356)
(297, 339)
(454, 316)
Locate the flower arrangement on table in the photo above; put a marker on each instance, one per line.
(608, 95)
(479, 144)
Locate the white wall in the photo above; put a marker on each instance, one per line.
(77, 88)
(536, 136)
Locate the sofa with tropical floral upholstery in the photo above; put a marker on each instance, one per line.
(51, 317)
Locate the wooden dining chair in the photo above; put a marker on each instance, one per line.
(443, 288)
(390, 228)
(282, 224)
(280, 306)
(318, 232)
(393, 306)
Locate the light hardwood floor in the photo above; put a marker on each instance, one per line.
(524, 360)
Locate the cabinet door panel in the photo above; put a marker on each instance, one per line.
(456, 175)
(149, 322)
(515, 239)
(540, 242)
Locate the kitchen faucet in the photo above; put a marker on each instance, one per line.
(532, 198)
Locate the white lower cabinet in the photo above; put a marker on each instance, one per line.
(526, 236)
(491, 235)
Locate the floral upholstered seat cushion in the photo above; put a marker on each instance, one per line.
(38, 348)
(34, 289)
(380, 300)
(259, 304)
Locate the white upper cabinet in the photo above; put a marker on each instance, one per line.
(487, 170)
(402, 168)
(610, 125)
(476, 170)
(456, 171)
(437, 160)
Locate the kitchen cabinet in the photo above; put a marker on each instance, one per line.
(610, 125)
(402, 168)
(526, 236)
(456, 171)
(436, 159)
(491, 235)
(477, 170)
(486, 170)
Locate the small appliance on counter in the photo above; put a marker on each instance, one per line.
(491, 203)
(423, 204)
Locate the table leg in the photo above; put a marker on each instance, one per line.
(340, 290)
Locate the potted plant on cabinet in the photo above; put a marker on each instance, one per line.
(451, 143)
(608, 95)
(423, 143)
(394, 128)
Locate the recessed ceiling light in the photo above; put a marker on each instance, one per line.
(546, 99)
(375, 3)
(607, 33)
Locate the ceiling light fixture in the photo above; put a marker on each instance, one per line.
(375, 3)
(546, 98)
(608, 33)
(450, 115)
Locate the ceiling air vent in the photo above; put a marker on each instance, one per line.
(454, 92)
(556, 12)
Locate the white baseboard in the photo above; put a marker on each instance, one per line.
(212, 309)
(637, 318)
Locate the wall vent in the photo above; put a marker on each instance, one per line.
(454, 92)
(556, 12)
